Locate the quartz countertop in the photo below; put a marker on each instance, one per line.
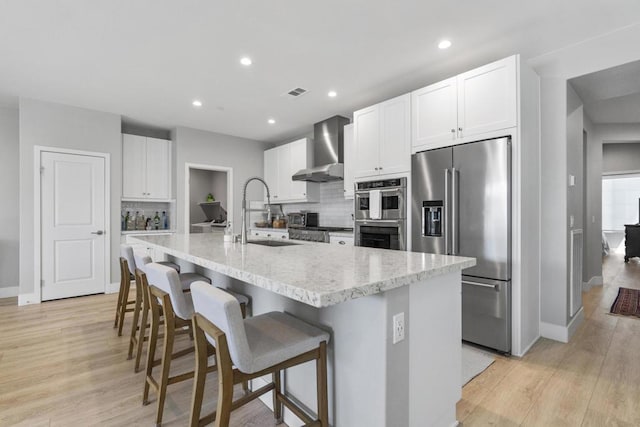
(316, 274)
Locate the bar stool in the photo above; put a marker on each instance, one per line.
(141, 308)
(127, 274)
(257, 346)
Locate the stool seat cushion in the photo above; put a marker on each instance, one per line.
(275, 337)
(170, 264)
(242, 299)
(188, 278)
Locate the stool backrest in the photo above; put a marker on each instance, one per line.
(223, 310)
(167, 279)
(142, 260)
(126, 252)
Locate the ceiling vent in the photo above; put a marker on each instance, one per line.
(297, 92)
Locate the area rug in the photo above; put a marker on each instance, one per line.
(627, 303)
(474, 362)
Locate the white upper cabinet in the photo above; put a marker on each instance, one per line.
(435, 113)
(487, 98)
(382, 138)
(349, 159)
(462, 108)
(146, 168)
(280, 164)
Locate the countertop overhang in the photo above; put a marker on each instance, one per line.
(317, 274)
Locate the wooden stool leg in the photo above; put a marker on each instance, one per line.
(151, 353)
(200, 374)
(245, 384)
(225, 384)
(134, 325)
(123, 305)
(141, 335)
(169, 330)
(321, 375)
(119, 305)
(277, 404)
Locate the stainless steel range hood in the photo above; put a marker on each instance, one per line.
(328, 152)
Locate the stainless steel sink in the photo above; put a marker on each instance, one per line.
(272, 243)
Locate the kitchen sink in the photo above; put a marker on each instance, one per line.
(272, 243)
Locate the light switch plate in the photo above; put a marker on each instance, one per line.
(572, 180)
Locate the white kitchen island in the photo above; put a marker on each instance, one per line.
(354, 293)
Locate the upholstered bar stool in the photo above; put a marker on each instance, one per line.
(257, 346)
(141, 308)
(127, 274)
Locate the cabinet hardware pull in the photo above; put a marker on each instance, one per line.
(460, 129)
(342, 242)
(99, 232)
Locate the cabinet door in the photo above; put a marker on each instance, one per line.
(134, 159)
(284, 173)
(487, 98)
(298, 158)
(349, 160)
(395, 141)
(435, 114)
(158, 169)
(367, 141)
(271, 173)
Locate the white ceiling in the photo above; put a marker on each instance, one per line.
(148, 60)
(612, 95)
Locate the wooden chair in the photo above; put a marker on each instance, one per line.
(127, 274)
(261, 345)
(141, 307)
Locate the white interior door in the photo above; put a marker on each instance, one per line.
(73, 225)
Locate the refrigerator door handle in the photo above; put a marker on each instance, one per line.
(446, 216)
(454, 211)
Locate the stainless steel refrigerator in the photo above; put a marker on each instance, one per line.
(461, 205)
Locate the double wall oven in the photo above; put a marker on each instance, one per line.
(381, 214)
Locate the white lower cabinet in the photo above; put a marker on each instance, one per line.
(269, 233)
(337, 239)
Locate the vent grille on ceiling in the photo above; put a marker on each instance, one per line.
(297, 92)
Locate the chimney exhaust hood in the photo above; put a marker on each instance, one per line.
(328, 152)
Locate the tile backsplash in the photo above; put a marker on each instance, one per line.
(333, 209)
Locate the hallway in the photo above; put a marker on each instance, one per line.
(592, 381)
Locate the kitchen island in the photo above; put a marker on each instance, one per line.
(354, 293)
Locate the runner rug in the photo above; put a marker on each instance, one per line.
(627, 302)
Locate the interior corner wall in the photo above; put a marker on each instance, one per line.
(61, 126)
(555, 69)
(244, 156)
(592, 271)
(9, 174)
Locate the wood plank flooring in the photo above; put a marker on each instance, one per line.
(592, 381)
(62, 364)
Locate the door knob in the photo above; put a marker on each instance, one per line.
(99, 232)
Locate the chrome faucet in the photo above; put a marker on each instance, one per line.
(243, 232)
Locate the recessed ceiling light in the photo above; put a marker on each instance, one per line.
(196, 103)
(332, 94)
(271, 121)
(246, 61)
(444, 44)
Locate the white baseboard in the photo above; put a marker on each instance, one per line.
(526, 350)
(594, 281)
(112, 288)
(25, 299)
(562, 333)
(11, 291)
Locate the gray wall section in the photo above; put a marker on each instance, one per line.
(593, 227)
(555, 69)
(621, 157)
(213, 149)
(9, 174)
(54, 125)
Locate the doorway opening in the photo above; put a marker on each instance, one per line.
(208, 198)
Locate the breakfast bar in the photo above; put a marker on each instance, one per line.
(394, 319)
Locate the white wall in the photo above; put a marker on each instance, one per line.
(61, 126)
(9, 223)
(243, 155)
(555, 68)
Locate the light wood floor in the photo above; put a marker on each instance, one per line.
(61, 364)
(592, 381)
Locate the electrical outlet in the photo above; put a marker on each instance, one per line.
(571, 220)
(398, 328)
